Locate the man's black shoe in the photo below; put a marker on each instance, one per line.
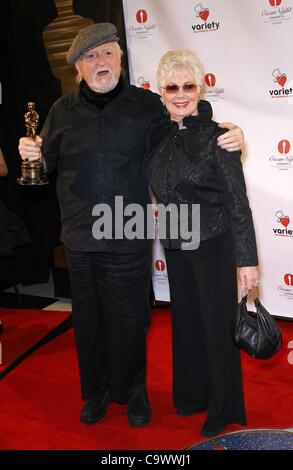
(95, 409)
(211, 431)
(139, 411)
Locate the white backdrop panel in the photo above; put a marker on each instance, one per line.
(246, 45)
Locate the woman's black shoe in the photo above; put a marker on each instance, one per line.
(96, 408)
(139, 411)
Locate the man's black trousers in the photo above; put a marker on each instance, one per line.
(111, 314)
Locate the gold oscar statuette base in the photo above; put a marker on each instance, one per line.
(32, 174)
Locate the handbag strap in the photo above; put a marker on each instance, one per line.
(256, 301)
(245, 293)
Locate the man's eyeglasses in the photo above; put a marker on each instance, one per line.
(187, 88)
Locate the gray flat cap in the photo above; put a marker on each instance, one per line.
(90, 37)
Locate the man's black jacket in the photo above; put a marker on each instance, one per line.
(100, 154)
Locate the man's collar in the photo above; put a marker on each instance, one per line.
(74, 99)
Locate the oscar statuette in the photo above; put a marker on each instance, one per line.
(32, 172)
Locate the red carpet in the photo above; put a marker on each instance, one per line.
(23, 328)
(40, 401)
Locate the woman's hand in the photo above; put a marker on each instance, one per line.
(30, 149)
(248, 277)
(233, 139)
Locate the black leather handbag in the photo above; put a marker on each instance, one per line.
(256, 333)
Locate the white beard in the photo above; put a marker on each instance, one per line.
(103, 87)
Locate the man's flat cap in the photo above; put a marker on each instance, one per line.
(90, 37)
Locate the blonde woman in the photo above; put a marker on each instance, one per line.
(188, 167)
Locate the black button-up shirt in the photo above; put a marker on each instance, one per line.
(100, 154)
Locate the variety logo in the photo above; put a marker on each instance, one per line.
(213, 92)
(202, 14)
(160, 265)
(283, 160)
(280, 79)
(142, 29)
(284, 221)
(143, 83)
(276, 12)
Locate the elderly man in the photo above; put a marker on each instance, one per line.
(98, 137)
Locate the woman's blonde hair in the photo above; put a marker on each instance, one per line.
(177, 63)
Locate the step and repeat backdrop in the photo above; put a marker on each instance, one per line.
(245, 48)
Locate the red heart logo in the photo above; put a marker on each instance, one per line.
(285, 221)
(288, 279)
(204, 14)
(284, 146)
(160, 265)
(146, 85)
(282, 79)
(141, 16)
(210, 79)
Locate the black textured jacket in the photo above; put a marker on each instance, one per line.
(100, 154)
(187, 167)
